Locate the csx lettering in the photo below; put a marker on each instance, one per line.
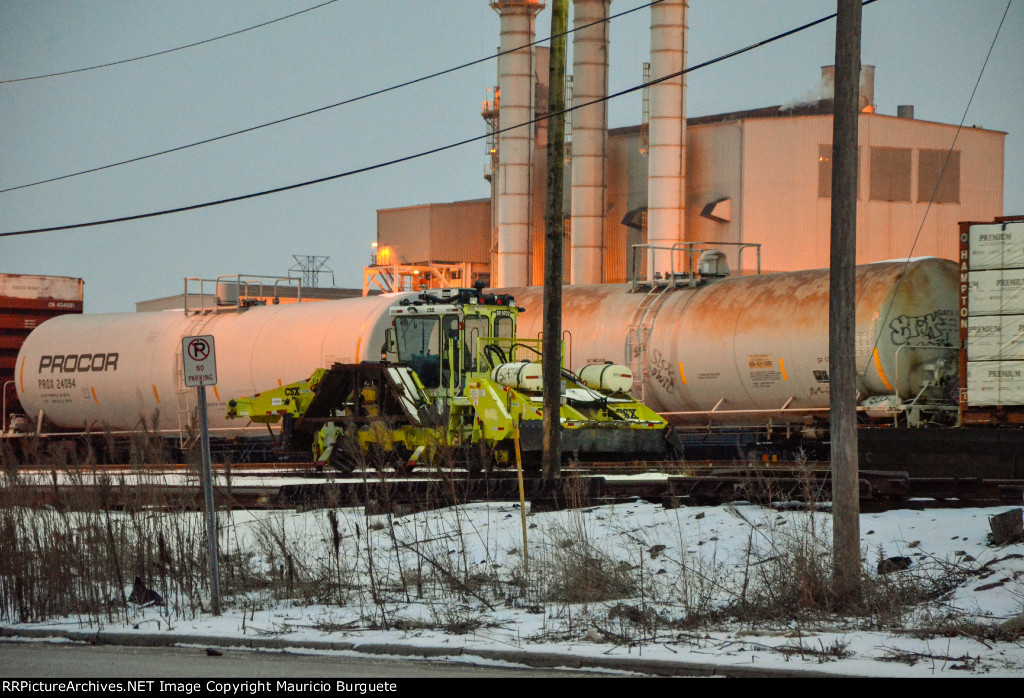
(71, 363)
(292, 391)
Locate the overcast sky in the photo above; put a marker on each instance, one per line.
(928, 53)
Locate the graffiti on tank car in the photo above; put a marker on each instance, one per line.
(80, 363)
(661, 372)
(934, 329)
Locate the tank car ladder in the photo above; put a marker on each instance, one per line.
(639, 332)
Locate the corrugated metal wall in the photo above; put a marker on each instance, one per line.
(779, 202)
(714, 171)
(406, 232)
(769, 169)
(460, 232)
(781, 208)
(620, 153)
(886, 230)
(453, 232)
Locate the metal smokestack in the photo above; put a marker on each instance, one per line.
(666, 173)
(515, 83)
(590, 133)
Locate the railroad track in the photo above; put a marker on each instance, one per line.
(297, 486)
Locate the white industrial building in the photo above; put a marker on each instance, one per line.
(761, 177)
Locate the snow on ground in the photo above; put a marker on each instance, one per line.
(700, 584)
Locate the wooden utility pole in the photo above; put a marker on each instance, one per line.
(842, 302)
(554, 228)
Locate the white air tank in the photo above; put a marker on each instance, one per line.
(523, 375)
(608, 377)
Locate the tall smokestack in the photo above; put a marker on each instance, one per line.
(590, 133)
(666, 169)
(515, 84)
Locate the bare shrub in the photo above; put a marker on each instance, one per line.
(787, 569)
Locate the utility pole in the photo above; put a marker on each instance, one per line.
(554, 228)
(842, 303)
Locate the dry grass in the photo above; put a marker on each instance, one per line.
(432, 565)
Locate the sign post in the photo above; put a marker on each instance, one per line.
(199, 363)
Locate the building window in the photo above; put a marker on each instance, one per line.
(825, 171)
(890, 174)
(930, 168)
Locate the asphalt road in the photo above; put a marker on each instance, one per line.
(55, 661)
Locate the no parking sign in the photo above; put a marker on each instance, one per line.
(199, 361)
(199, 364)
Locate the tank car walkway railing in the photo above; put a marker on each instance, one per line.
(692, 252)
(234, 292)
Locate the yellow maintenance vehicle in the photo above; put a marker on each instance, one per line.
(456, 386)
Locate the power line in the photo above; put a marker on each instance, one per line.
(320, 109)
(170, 50)
(938, 181)
(432, 151)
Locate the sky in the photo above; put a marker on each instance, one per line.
(928, 53)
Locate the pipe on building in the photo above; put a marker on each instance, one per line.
(515, 83)
(666, 173)
(590, 135)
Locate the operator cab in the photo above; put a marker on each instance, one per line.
(437, 333)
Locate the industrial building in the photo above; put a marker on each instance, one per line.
(760, 177)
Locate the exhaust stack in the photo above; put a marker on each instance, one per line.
(515, 83)
(666, 173)
(590, 133)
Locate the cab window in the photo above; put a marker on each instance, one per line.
(476, 327)
(419, 345)
(449, 338)
(503, 326)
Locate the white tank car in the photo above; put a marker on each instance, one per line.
(755, 348)
(746, 349)
(115, 371)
